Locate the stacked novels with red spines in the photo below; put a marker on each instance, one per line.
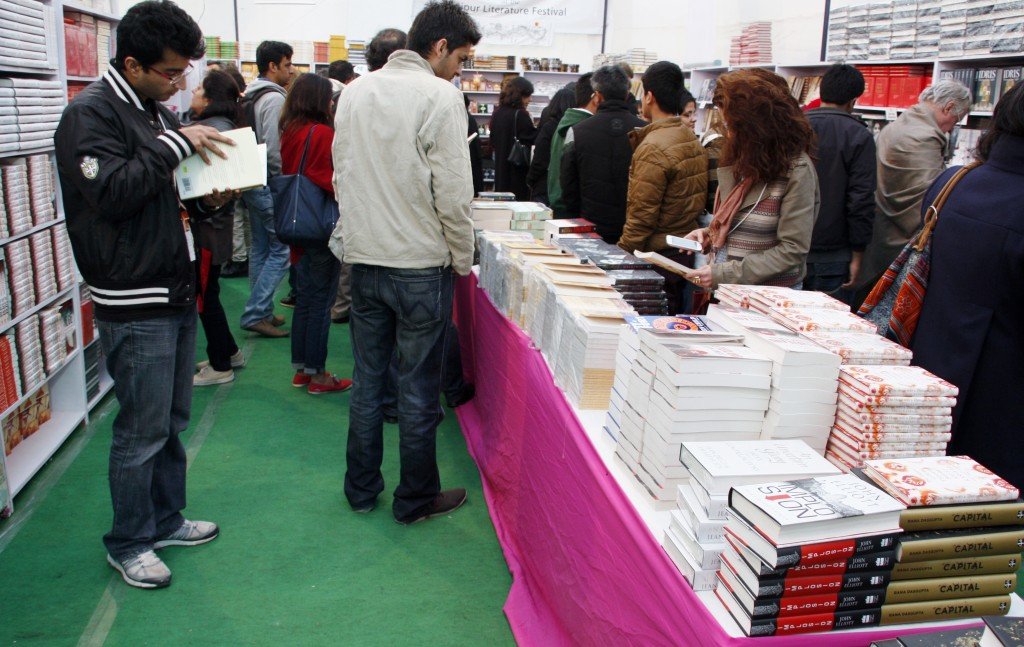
(890, 412)
(695, 538)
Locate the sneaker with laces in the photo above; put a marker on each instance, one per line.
(145, 571)
(237, 361)
(288, 301)
(191, 533)
(209, 376)
(446, 501)
(301, 379)
(336, 385)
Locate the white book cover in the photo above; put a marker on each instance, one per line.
(813, 501)
(787, 347)
(768, 296)
(858, 344)
(720, 465)
(717, 358)
(806, 320)
(244, 168)
(897, 381)
(740, 319)
(940, 480)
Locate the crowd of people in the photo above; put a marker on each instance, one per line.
(773, 193)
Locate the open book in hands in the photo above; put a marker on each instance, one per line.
(665, 262)
(244, 168)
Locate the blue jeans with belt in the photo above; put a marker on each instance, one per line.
(152, 362)
(407, 311)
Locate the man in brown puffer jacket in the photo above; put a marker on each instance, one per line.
(668, 178)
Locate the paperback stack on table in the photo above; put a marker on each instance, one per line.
(814, 554)
(554, 265)
(804, 376)
(490, 215)
(803, 320)
(494, 248)
(613, 259)
(890, 412)
(554, 230)
(862, 348)
(963, 531)
(642, 289)
(695, 537)
(710, 391)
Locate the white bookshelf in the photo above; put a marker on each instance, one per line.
(67, 382)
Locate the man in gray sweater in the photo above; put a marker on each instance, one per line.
(268, 259)
(405, 193)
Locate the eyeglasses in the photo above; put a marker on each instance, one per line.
(173, 80)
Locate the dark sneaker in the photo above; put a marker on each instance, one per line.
(191, 533)
(266, 329)
(462, 397)
(232, 269)
(340, 320)
(145, 571)
(445, 502)
(288, 301)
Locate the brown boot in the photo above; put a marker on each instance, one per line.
(266, 329)
(276, 321)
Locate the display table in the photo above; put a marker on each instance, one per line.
(581, 541)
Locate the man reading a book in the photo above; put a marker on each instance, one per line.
(117, 149)
(404, 198)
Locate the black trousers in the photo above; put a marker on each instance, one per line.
(220, 344)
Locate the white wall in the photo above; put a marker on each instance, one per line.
(686, 31)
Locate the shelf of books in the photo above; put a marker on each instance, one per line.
(43, 372)
(789, 460)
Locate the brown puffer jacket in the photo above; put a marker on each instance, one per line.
(668, 185)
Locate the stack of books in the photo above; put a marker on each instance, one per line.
(604, 255)
(695, 538)
(803, 320)
(336, 49)
(625, 357)
(489, 215)
(737, 296)
(29, 112)
(357, 52)
(753, 45)
(41, 188)
(30, 353)
(103, 48)
(5, 293)
(18, 257)
(804, 376)
(17, 197)
(26, 419)
(699, 392)
(585, 364)
(568, 228)
(54, 339)
(862, 348)
(10, 371)
(890, 412)
(63, 257)
(642, 289)
(44, 270)
(810, 554)
(25, 44)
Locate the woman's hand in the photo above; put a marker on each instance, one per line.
(702, 278)
(702, 237)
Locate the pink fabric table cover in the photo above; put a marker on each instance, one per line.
(586, 570)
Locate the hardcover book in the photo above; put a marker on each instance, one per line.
(896, 380)
(987, 565)
(1002, 632)
(806, 320)
(928, 545)
(940, 480)
(814, 510)
(717, 466)
(1008, 77)
(986, 89)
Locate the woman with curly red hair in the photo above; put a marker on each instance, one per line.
(768, 189)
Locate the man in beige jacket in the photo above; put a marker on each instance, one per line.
(909, 159)
(405, 188)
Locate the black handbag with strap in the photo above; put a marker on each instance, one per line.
(519, 156)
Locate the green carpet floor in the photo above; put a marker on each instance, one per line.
(293, 566)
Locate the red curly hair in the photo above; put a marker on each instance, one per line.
(766, 128)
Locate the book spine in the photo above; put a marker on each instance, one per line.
(792, 586)
(858, 563)
(960, 546)
(945, 588)
(829, 551)
(990, 565)
(965, 516)
(813, 623)
(801, 605)
(579, 229)
(929, 611)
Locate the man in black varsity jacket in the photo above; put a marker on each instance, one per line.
(117, 149)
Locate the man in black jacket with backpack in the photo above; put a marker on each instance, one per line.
(846, 175)
(117, 149)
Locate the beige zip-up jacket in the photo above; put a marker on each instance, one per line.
(402, 171)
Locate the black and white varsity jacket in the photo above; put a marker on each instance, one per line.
(116, 155)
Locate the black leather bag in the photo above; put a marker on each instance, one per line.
(519, 156)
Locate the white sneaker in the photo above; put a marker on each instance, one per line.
(145, 571)
(191, 533)
(237, 361)
(209, 376)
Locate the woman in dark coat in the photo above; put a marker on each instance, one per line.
(511, 121)
(971, 330)
(537, 176)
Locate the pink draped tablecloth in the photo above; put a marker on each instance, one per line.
(586, 569)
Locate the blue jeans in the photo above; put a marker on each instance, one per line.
(316, 282)
(829, 278)
(268, 259)
(407, 311)
(152, 363)
(452, 379)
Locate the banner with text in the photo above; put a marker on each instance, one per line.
(531, 22)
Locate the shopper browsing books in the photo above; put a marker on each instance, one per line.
(969, 332)
(846, 174)
(306, 138)
(667, 176)
(268, 258)
(512, 124)
(117, 148)
(910, 153)
(597, 154)
(537, 178)
(585, 107)
(215, 104)
(406, 230)
(768, 189)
